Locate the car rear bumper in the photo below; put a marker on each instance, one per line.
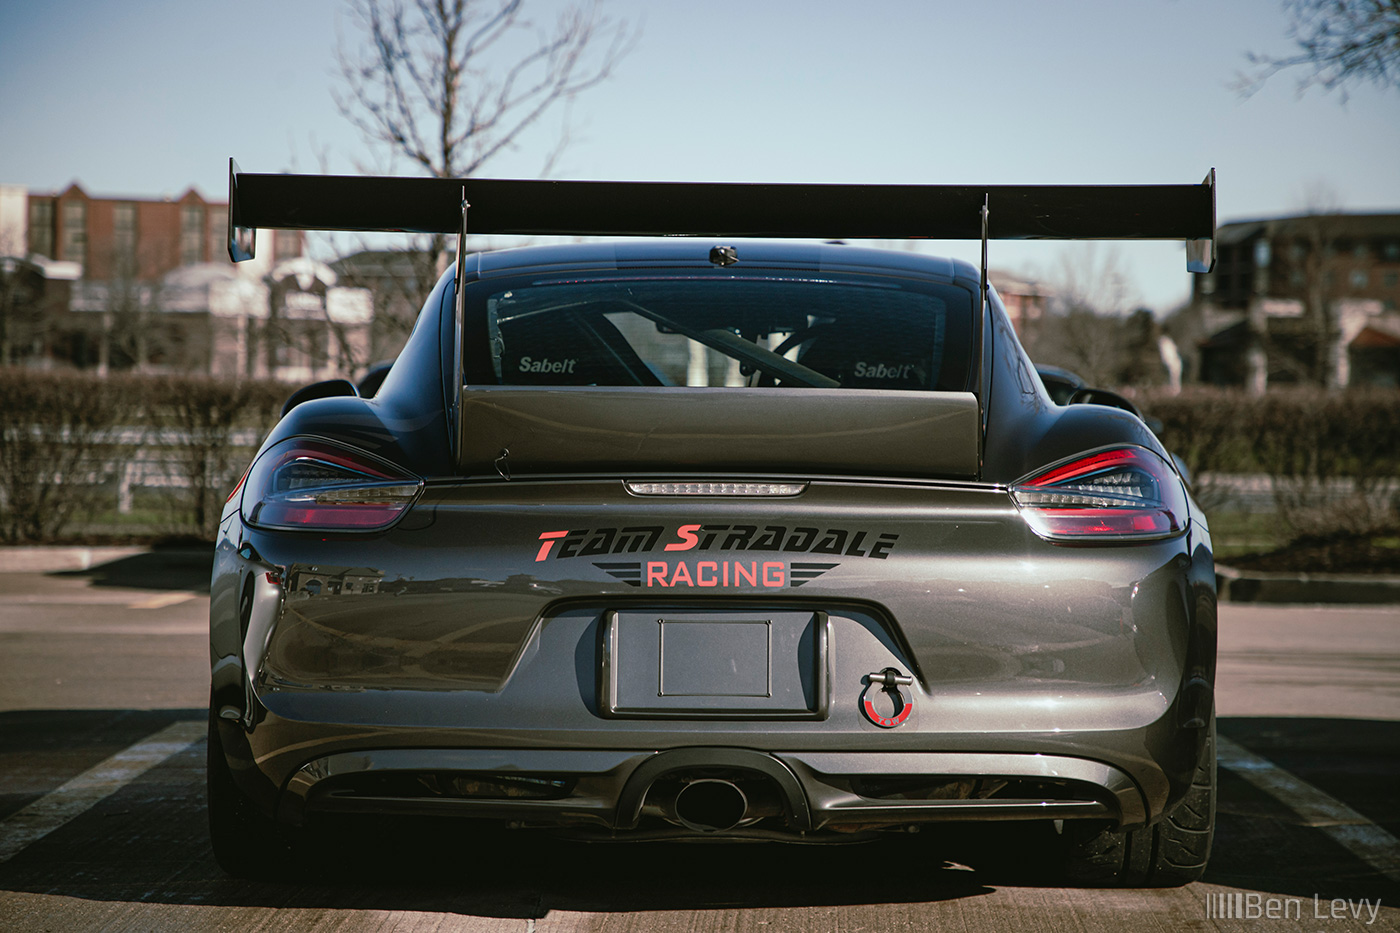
(617, 791)
(478, 638)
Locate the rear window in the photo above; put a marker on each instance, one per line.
(709, 330)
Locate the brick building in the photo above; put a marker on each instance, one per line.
(1305, 298)
(136, 238)
(1026, 300)
(144, 283)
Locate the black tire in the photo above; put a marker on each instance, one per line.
(247, 844)
(1168, 854)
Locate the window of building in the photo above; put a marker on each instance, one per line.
(1262, 254)
(218, 233)
(124, 238)
(1359, 278)
(1391, 279)
(1392, 251)
(191, 234)
(41, 228)
(287, 243)
(74, 214)
(1360, 251)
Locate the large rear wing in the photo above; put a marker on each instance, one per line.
(611, 208)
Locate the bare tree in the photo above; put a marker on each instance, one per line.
(1339, 43)
(1085, 331)
(1298, 257)
(24, 325)
(316, 341)
(1310, 270)
(135, 334)
(1318, 236)
(449, 85)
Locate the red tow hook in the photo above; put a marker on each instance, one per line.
(889, 680)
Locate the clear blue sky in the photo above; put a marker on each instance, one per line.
(148, 97)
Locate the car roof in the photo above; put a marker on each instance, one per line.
(687, 251)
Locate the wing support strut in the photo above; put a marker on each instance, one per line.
(459, 314)
(981, 333)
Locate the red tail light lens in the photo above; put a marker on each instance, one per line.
(308, 485)
(1114, 494)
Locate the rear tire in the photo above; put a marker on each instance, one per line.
(247, 844)
(1168, 854)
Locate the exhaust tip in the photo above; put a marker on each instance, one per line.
(710, 805)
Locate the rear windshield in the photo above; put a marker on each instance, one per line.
(724, 331)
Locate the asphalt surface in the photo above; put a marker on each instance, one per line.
(104, 680)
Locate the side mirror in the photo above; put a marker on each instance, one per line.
(328, 389)
(371, 381)
(1087, 396)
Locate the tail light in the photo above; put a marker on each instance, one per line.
(307, 485)
(1122, 493)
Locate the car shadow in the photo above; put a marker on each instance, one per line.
(149, 842)
(187, 569)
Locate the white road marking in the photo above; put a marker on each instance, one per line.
(67, 629)
(75, 797)
(1328, 815)
(161, 601)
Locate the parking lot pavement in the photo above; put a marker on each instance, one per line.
(138, 859)
(101, 797)
(1312, 661)
(78, 640)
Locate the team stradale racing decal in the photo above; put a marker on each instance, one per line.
(728, 571)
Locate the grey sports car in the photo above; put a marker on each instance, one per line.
(716, 538)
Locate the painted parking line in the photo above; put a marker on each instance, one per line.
(94, 785)
(1325, 813)
(161, 601)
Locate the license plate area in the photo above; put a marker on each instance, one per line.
(761, 664)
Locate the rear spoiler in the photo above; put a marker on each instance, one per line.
(613, 208)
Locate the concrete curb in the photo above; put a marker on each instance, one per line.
(1255, 586)
(41, 559)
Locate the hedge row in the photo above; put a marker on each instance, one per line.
(1331, 458)
(67, 438)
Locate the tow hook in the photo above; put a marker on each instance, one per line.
(889, 680)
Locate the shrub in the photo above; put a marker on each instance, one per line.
(212, 428)
(1210, 431)
(66, 439)
(1331, 458)
(59, 443)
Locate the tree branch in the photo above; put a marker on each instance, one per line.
(1339, 42)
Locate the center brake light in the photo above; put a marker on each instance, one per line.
(1115, 494)
(310, 485)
